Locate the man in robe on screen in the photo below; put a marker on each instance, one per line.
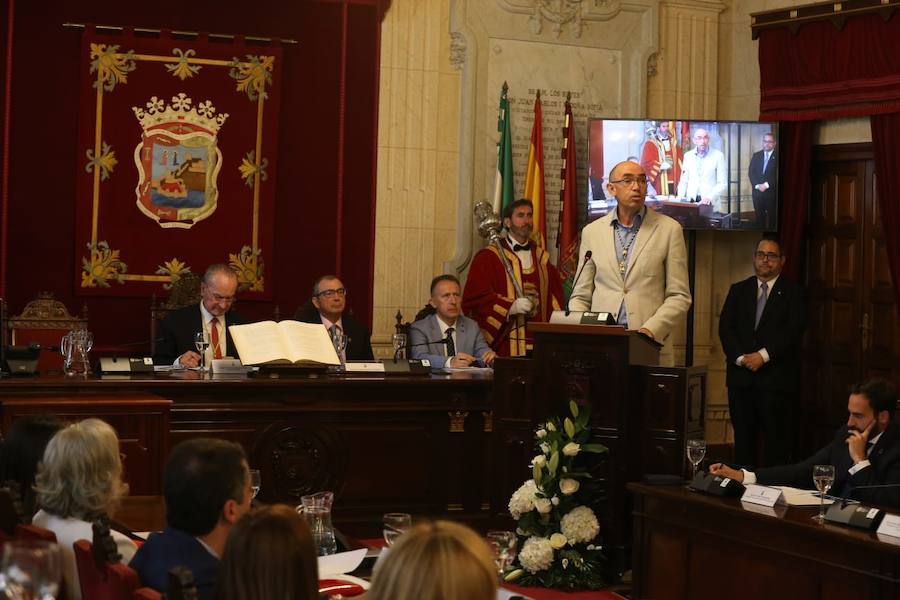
(661, 158)
(490, 296)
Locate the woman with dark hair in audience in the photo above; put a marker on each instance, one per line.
(79, 480)
(436, 561)
(269, 555)
(22, 451)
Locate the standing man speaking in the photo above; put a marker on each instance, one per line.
(638, 264)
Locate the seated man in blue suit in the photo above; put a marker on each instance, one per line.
(207, 489)
(448, 338)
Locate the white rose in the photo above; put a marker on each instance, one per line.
(539, 461)
(558, 540)
(542, 433)
(568, 486)
(571, 449)
(543, 505)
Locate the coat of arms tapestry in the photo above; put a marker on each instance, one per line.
(177, 145)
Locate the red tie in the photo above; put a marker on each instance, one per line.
(214, 337)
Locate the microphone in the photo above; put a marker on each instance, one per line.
(845, 499)
(587, 257)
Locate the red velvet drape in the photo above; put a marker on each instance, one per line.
(887, 160)
(796, 156)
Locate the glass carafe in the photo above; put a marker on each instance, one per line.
(317, 510)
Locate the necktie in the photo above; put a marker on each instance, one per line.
(761, 302)
(451, 347)
(214, 337)
(766, 157)
(869, 446)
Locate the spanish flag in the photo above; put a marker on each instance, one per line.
(504, 192)
(534, 176)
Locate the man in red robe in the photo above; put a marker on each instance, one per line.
(661, 158)
(490, 296)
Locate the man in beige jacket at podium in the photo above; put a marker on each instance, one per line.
(637, 270)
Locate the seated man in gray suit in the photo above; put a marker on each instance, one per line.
(448, 338)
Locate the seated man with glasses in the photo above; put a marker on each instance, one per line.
(329, 301)
(761, 329)
(637, 269)
(177, 332)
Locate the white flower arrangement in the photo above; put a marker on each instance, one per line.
(553, 508)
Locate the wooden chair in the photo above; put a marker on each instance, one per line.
(33, 532)
(101, 575)
(183, 292)
(44, 321)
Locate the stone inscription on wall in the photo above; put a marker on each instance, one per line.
(556, 70)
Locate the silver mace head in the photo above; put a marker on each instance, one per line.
(486, 220)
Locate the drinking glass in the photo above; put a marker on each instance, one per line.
(398, 341)
(201, 341)
(823, 477)
(255, 482)
(503, 544)
(395, 524)
(30, 570)
(696, 450)
(87, 343)
(340, 344)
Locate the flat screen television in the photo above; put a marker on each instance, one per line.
(704, 174)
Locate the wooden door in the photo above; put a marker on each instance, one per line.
(852, 331)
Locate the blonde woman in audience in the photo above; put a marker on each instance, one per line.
(436, 561)
(79, 480)
(269, 555)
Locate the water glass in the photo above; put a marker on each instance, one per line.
(395, 525)
(823, 478)
(255, 482)
(696, 450)
(503, 546)
(340, 344)
(201, 341)
(30, 570)
(398, 341)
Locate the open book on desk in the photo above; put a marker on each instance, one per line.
(284, 343)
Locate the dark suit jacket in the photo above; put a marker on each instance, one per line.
(359, 344)
(757, 175)
(173, 548)
(885, 469)
(780, 332)
(177, 331)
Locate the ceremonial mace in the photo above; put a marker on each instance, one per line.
(489, 225)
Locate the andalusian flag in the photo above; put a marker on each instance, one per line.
(534, 176)
(568, 238)
(504, 190)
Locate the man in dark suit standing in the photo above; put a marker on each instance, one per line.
(761, 329)
(329, 300)
(763, 174)
(178, 330)
(865, 452)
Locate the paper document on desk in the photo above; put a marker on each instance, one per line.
(466, 369)
(797, 497)
(340, 563)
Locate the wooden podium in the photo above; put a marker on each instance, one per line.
(642, 412)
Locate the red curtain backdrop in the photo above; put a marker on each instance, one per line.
(885, 129)
(796, 157)
(823, 72)
(329, 78)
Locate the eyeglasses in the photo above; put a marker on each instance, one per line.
(332, 293)
(766, 255)
(630, 180)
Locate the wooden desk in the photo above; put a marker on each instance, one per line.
(398, 443)
(687, 545)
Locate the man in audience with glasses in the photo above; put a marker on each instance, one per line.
(175, 344)
(761, 330)
(637, 269)
(329, 303)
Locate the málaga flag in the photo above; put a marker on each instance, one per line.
(534, 176)
(504, 192)
(567, 240)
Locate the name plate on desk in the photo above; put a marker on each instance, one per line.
(762, 495)
(126, 365)
(364, 367)
(574, 317)
(890, 525)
